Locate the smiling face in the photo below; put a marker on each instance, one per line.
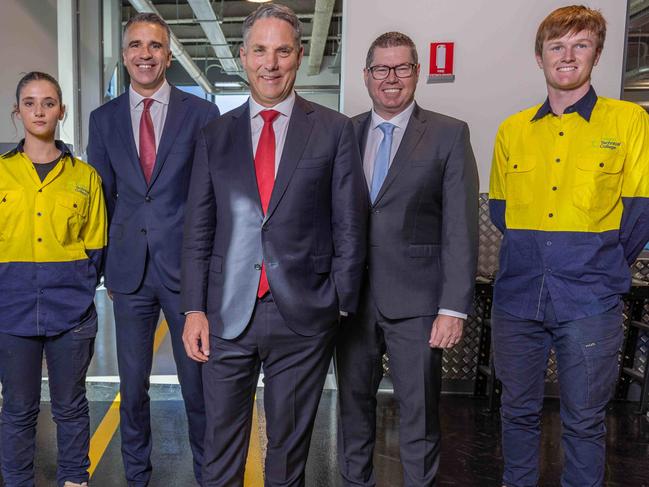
(392, 95)
(568, 61)
(40, 109)
(271, 59)
(147, 56)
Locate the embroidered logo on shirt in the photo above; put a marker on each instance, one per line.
(611, 144)
(80, 189)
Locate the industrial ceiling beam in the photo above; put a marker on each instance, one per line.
(209, 23)
(178, 50)
(321, 21)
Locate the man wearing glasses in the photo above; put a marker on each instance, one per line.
(422, 252)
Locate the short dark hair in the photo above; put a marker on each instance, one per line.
(275, 11)
(392, 39)
(571, 19)
(147, 18)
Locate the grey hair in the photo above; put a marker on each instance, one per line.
(147, 18)
(275, 11)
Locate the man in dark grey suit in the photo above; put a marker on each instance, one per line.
(273, 253)
(422, 255)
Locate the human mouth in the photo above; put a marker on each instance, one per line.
(145, 67)
(565, 69)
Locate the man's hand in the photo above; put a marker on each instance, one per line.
(196, 337)
(446, 331)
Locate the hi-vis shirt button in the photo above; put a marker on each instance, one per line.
(257, 267)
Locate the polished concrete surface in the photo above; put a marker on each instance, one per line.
(470, 447)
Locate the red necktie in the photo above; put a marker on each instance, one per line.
(265, 171)
(147, 140)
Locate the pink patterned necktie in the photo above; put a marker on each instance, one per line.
(265, 172)
(147, 140)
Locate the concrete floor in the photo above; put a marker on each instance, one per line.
(470, 448)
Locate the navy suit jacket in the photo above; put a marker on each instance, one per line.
(145, 218)
(423, 225)
(312, 238)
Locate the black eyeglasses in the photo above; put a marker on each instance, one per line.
(381, 71)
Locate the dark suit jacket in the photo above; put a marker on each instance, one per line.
(423, 227)
(312, 239)
(145, 217)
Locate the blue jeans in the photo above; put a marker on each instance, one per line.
(587, 359)
(68, 356)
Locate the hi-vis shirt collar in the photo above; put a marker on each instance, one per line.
(583, 107)
(65, 150)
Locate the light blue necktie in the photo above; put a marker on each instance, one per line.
(382, 160)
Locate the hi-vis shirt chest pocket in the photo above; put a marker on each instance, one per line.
(598, 181)
(10, 212)
(519, 177)
(70, 214)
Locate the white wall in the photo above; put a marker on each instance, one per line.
(28, 40)
(495, 68)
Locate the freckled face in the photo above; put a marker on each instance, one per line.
(567, 62)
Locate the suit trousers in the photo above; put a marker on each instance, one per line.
(136, 319)
(587, 359)
(68, 356)
(415, 369)
(295, 368)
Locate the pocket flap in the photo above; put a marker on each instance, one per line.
(607, 163)
(518, 165)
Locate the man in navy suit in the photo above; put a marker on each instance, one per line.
(272, 255)
(142, 144)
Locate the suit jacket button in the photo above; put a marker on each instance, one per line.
(147, 199)
(257, 267)
(143, 230)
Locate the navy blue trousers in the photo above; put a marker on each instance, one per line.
(587, 360)
(21, 358)
(136, 319)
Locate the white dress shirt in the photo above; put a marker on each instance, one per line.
(280, 124)
(158, 112)
(374, 138)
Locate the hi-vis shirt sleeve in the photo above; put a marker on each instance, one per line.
(497, 189)
(634, 227)
(94, 231)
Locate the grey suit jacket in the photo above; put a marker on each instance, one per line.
(423, 226)
(312, 239)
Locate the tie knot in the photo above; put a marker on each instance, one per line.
(147, 103)
(269, 116)
(387, 128)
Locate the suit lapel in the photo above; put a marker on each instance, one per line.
(362, 129)
(125, 129)
(241, 139)
(411, 137)
(174, 122)
(297, 135)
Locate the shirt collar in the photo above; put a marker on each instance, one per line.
(400, 120)
(584, 107)
(161, 95)
(285, 107)
(65, 150)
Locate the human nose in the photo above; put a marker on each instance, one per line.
(270, 61)
(392, 75)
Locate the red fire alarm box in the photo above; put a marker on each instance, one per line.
(441, 62)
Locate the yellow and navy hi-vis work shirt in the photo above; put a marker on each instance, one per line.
(52, 240)
(570, 194)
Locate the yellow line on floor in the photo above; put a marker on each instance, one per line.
(106, 430)
(254, 476)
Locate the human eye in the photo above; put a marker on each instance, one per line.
(28, 103)
(403, 69)
(285, 52)
(49, 104)
(381, 70)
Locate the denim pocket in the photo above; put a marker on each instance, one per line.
(602, 365)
